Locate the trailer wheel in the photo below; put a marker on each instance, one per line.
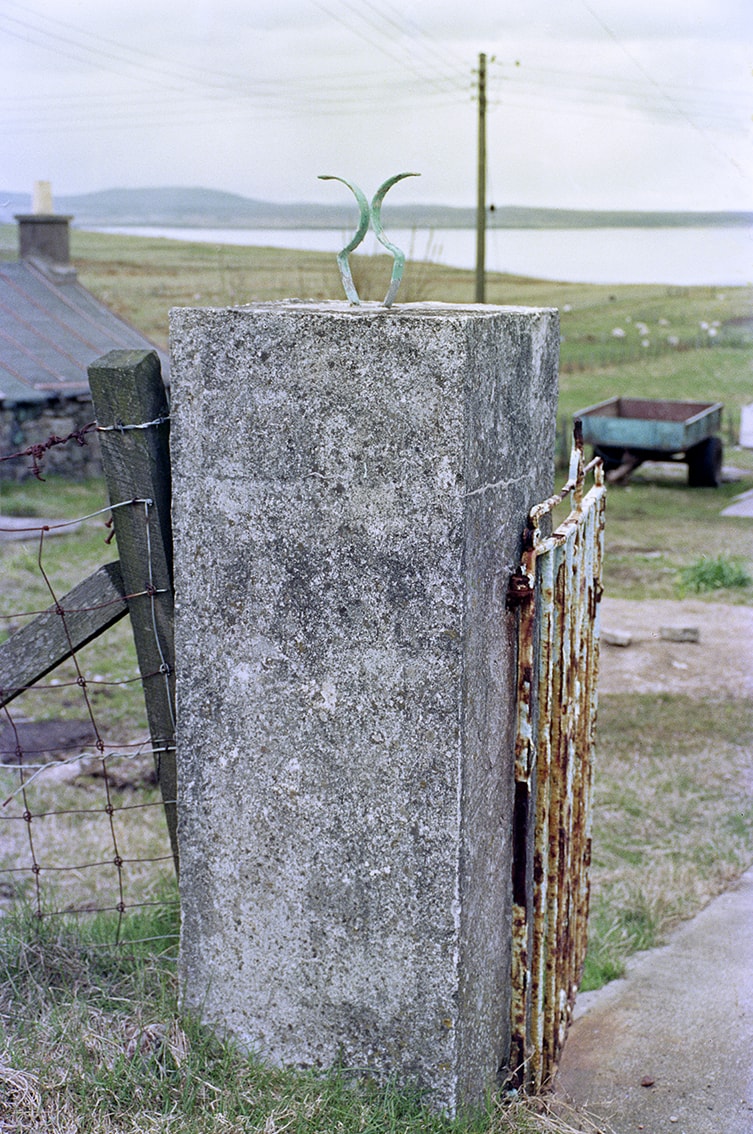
(612, 458)
(705, 464)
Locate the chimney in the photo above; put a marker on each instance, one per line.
(42, 234)
(41, 201)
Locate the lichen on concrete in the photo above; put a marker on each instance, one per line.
(350, 489)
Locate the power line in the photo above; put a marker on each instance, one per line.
(347, 84)
(441, 83)
(418, 39)
(190, 112)
(113, 49)
(611, 80)
(586, 105)
(159, 70)
(678, 110)
(352, 93)
(426, 74)
(340, 94)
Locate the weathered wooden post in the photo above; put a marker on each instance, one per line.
(131, 408)
(350, 489)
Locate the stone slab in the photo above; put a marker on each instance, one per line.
(742, 505)
(614, 637)
(680, 633)
(671, 1046)
(746, 426)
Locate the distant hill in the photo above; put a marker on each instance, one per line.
(212, 208)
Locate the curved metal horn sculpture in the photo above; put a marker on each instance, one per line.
(363, 227)
(370, 215)
(376, 220)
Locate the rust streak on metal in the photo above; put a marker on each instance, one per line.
(556, 594)
(519, 590)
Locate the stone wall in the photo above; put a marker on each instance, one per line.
(25, 425)
(350, 490)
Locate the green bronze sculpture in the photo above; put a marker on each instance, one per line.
(370, 215)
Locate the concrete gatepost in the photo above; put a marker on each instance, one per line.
(350, 490)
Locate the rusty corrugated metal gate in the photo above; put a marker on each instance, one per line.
(557, 592)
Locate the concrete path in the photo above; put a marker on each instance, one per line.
(670, 1047)
(742, 505)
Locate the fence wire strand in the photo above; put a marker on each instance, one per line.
(94, 841)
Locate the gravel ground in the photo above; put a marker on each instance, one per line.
(720, 664)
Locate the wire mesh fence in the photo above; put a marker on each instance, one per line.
(82, 820)
(636, 342)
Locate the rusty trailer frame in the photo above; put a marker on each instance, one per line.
(556, 592)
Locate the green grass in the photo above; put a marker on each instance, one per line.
(657, 527)
(673, 818)
(93, 1037)
(94, 1041)
(68, 559)
(716, 573)
(73, 838)
(142, 278)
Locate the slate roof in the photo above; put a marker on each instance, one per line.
(51, 329)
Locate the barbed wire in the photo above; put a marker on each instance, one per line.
(39, 449)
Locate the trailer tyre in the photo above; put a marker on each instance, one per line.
(705, 464)
(611, 457)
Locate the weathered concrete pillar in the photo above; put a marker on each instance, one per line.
(350, 490)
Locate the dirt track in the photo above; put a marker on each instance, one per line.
(720, 664)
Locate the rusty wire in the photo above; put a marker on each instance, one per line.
(110, 808)
(39, 449)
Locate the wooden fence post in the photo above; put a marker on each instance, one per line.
(131, 408)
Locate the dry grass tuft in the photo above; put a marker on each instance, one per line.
(20, 1101)
(543, 1115)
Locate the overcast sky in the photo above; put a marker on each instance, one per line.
(592, 103)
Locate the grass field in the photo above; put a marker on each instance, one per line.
(657, 528)
(143, 278)
(697, 340)
(673, 817)
(95, 1042)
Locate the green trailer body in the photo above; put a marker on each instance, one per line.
(624, 432)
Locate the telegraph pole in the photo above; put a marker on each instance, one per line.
(481, 185)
